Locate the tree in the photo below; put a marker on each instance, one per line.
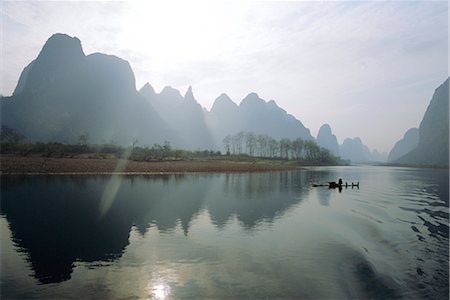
(250, 141)
(227, 144)
(312, 150)
(261, 142)
(297, 148)
(239, 137)
(273, 147)
(134, 142)
(83, 138)
(285, 146)
(166, 148)
(8, 134)
(157, 150)
(233, 144)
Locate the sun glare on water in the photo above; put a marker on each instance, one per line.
(160, 291)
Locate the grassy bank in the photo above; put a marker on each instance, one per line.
(57, 158)
(13, 164)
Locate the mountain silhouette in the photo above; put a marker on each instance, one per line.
(184, 115)
(224, 118)
(327, 140)
(378, 157)
(433, 144)
(255, 115)
(64, 93)
(408, 143)
(353, 149)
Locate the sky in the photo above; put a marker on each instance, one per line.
(367, 69)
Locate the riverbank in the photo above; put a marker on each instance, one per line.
(419, 166)
(23, 165)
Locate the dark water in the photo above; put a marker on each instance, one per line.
(262, 235)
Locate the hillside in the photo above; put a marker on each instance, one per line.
(64, 94)
(255, 115)
(433, 145)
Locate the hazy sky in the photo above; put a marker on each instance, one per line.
(368, 69)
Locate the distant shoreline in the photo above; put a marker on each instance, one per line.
(418, 166)
(82, 165)
(37, 165)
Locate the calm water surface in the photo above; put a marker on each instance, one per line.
(260, 235)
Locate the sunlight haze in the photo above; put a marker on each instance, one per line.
(368, 69)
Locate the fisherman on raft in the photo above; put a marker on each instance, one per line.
(339, 184)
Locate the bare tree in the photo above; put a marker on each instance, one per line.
(285, 146)
(261, 143)
(250, 141)
(297, 148)
(234, 143)
(167, 148)
(134, 142)
(312, 150)
(239, 139)
(83, 138)
(8, 134)
(227, 143)
(273, 147)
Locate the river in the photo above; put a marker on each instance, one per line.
(237, 235)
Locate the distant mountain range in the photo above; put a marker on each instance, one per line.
(182, 114)
(64, 94)
(255, 115)
(351, 149)
(427, 145)
(408, 143)
(326, 139)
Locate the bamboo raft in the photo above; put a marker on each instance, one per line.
(333, 185)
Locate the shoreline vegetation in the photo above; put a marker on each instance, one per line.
(18, 158)
(95, 165)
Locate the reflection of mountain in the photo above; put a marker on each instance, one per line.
(163, 201)
(56, 230)
(62, 221)
(255, 198)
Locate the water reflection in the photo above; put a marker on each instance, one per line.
(255, 198)
(268, 235)
(56, 222)
(59, 220)
(324, 196)
(427, 201)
